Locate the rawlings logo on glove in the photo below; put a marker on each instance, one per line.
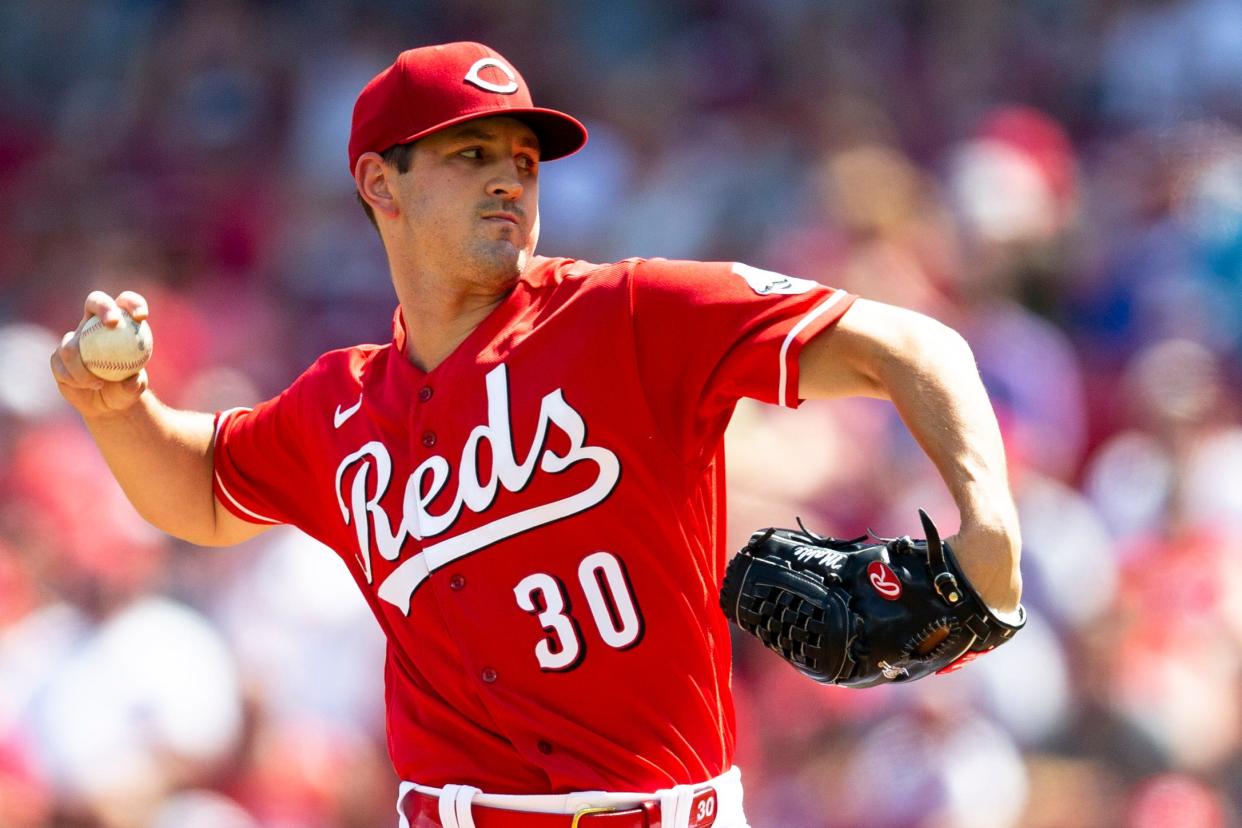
(864, 612)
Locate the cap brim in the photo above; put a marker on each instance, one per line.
(559, 134)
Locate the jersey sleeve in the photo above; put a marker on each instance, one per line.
(708, 334)
(260, 457)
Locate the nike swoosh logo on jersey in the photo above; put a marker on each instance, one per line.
(339, 418)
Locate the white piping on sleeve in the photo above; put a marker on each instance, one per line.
(229, 412)
(810, 317)
(219, 482)
(242, 508)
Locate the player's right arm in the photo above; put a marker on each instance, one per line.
(160, 456)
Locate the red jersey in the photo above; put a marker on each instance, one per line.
(538, 522)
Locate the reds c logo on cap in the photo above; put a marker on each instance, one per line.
(475, 78)
(424, 91)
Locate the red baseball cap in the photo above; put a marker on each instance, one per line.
(433, 87)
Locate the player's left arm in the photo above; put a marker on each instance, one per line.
(928, 372)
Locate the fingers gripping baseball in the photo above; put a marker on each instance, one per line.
(99, 366)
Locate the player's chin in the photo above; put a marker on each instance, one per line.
(503, 235)
(503, 261)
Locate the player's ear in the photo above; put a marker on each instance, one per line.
(372, 178)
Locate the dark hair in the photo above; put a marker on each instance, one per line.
(399, 156)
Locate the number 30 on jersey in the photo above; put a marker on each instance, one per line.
(609, 596)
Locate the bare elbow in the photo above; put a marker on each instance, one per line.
(913, 344)
(941, 344)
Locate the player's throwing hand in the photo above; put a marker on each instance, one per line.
(86, 392)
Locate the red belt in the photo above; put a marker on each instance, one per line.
(423, 811)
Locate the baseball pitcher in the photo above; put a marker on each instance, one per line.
(527, 481)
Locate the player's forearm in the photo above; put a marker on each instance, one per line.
(928, 372)
(162, 459)
(931, 378)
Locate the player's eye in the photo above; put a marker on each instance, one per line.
(475, 153)
(527, 163)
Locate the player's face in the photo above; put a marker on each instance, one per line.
(470, 202)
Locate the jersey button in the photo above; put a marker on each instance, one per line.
(545, 747)
(429, 438)
(489, 675)
(457, 583)
(425, 393)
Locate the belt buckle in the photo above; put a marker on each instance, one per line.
(587, 812)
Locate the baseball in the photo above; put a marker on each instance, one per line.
(114, 354)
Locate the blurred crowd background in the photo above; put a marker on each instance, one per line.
(1059, 179)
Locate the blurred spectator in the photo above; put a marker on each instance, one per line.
(1162, 61)
(118, 711)
(302, 633)
(27, 393)
(935, 766)
(1168, 470)
(201, 809)
(1175, 799)
(1014, 186)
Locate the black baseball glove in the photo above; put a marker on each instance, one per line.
(861, 612)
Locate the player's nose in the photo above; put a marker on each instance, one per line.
(505, 186)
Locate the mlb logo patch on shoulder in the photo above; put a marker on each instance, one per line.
(769, 283)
